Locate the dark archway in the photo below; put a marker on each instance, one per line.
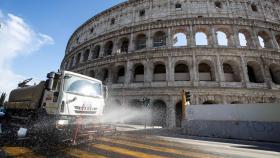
(209, 102)
(124, 44)
(86, 55)
(108, 48)
(96, 52)
(255, 72)
(159, 111)
(159, 72)
(179, 114)
(120, 75)
(205, 72)
(140, 42)
(138, 73)
(182, 72)
(159, 39)
(275, 73)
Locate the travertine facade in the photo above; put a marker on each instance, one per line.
(231, 53)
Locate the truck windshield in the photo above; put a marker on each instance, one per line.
(81, 86)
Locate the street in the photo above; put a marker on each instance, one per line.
(140, 143)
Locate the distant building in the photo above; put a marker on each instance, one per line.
(231, 54)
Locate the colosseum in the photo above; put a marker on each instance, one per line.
(222, 51)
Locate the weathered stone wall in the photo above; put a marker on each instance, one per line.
(127, 45)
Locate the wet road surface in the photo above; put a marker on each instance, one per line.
(142, 144)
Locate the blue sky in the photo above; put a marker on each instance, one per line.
(56, 20)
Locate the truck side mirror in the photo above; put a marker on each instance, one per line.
(49, 84)
(105, 92)
(51, 75)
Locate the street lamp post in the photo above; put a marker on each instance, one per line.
(146, 103)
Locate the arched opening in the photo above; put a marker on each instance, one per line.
(136, 114)
(201, 39)
(92, 73)
(209, 102)
(159, 39)
(86, 55)
(78, 59)
(108, 48)
(245, 38)
(124, 44)
(231, 73)
(178, 6)
(158, 113)
(254, 7)
(182, 72)
(96, 52)
(179, 114)
(104, 76)
(139, 73)
(242, 40)
(255, 73)
(159, 72)
(218, 5)
(222, 38)
(120, 75)
(140, 42)
(264, 40)
(179, 40)
(275, 73)
(205, 72)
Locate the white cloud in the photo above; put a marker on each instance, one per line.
(16, 38)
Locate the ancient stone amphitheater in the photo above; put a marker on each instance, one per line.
(222, 51)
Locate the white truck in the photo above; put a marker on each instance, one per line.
(67, 105)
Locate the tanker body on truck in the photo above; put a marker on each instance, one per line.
(66, 105)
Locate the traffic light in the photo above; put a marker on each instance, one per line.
(188, 96)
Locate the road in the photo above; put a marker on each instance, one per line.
(151, 143)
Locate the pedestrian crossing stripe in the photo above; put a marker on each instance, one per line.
(20, 152)
(82, 154)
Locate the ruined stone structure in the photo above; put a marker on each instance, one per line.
(223, 51)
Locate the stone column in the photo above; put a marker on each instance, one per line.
(90, 52)
(102, 53)
(149, 41)
(171, 114)
(274, 41)
(245, 72)
(236, 38)
(148, 73)
(170, 67)
(214, 41)
(169, 39)
(131, 43)
(220, 74)
(195, 76)
(191, 37)
(256, 39)
(115, 46)
(128, 72)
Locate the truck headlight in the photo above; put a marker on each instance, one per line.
(61, 123)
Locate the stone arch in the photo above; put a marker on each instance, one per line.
(104, 75)
(275, 73)
(138, 73)
(202, 37)
(209, 102)
(96, 52)
(159, 39)
(254, 7)
(120, 75)
(108, 48)
(123, 45)
(231, 72)
(92, 73)
(182, 72)
(178, 6)
(254, 72)
(180, 39)
(140, 41)
(224, 36)
(159, 72)
(158, 113)
(245, 38)
(264, 39)
(206, 71)
(86, 55)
